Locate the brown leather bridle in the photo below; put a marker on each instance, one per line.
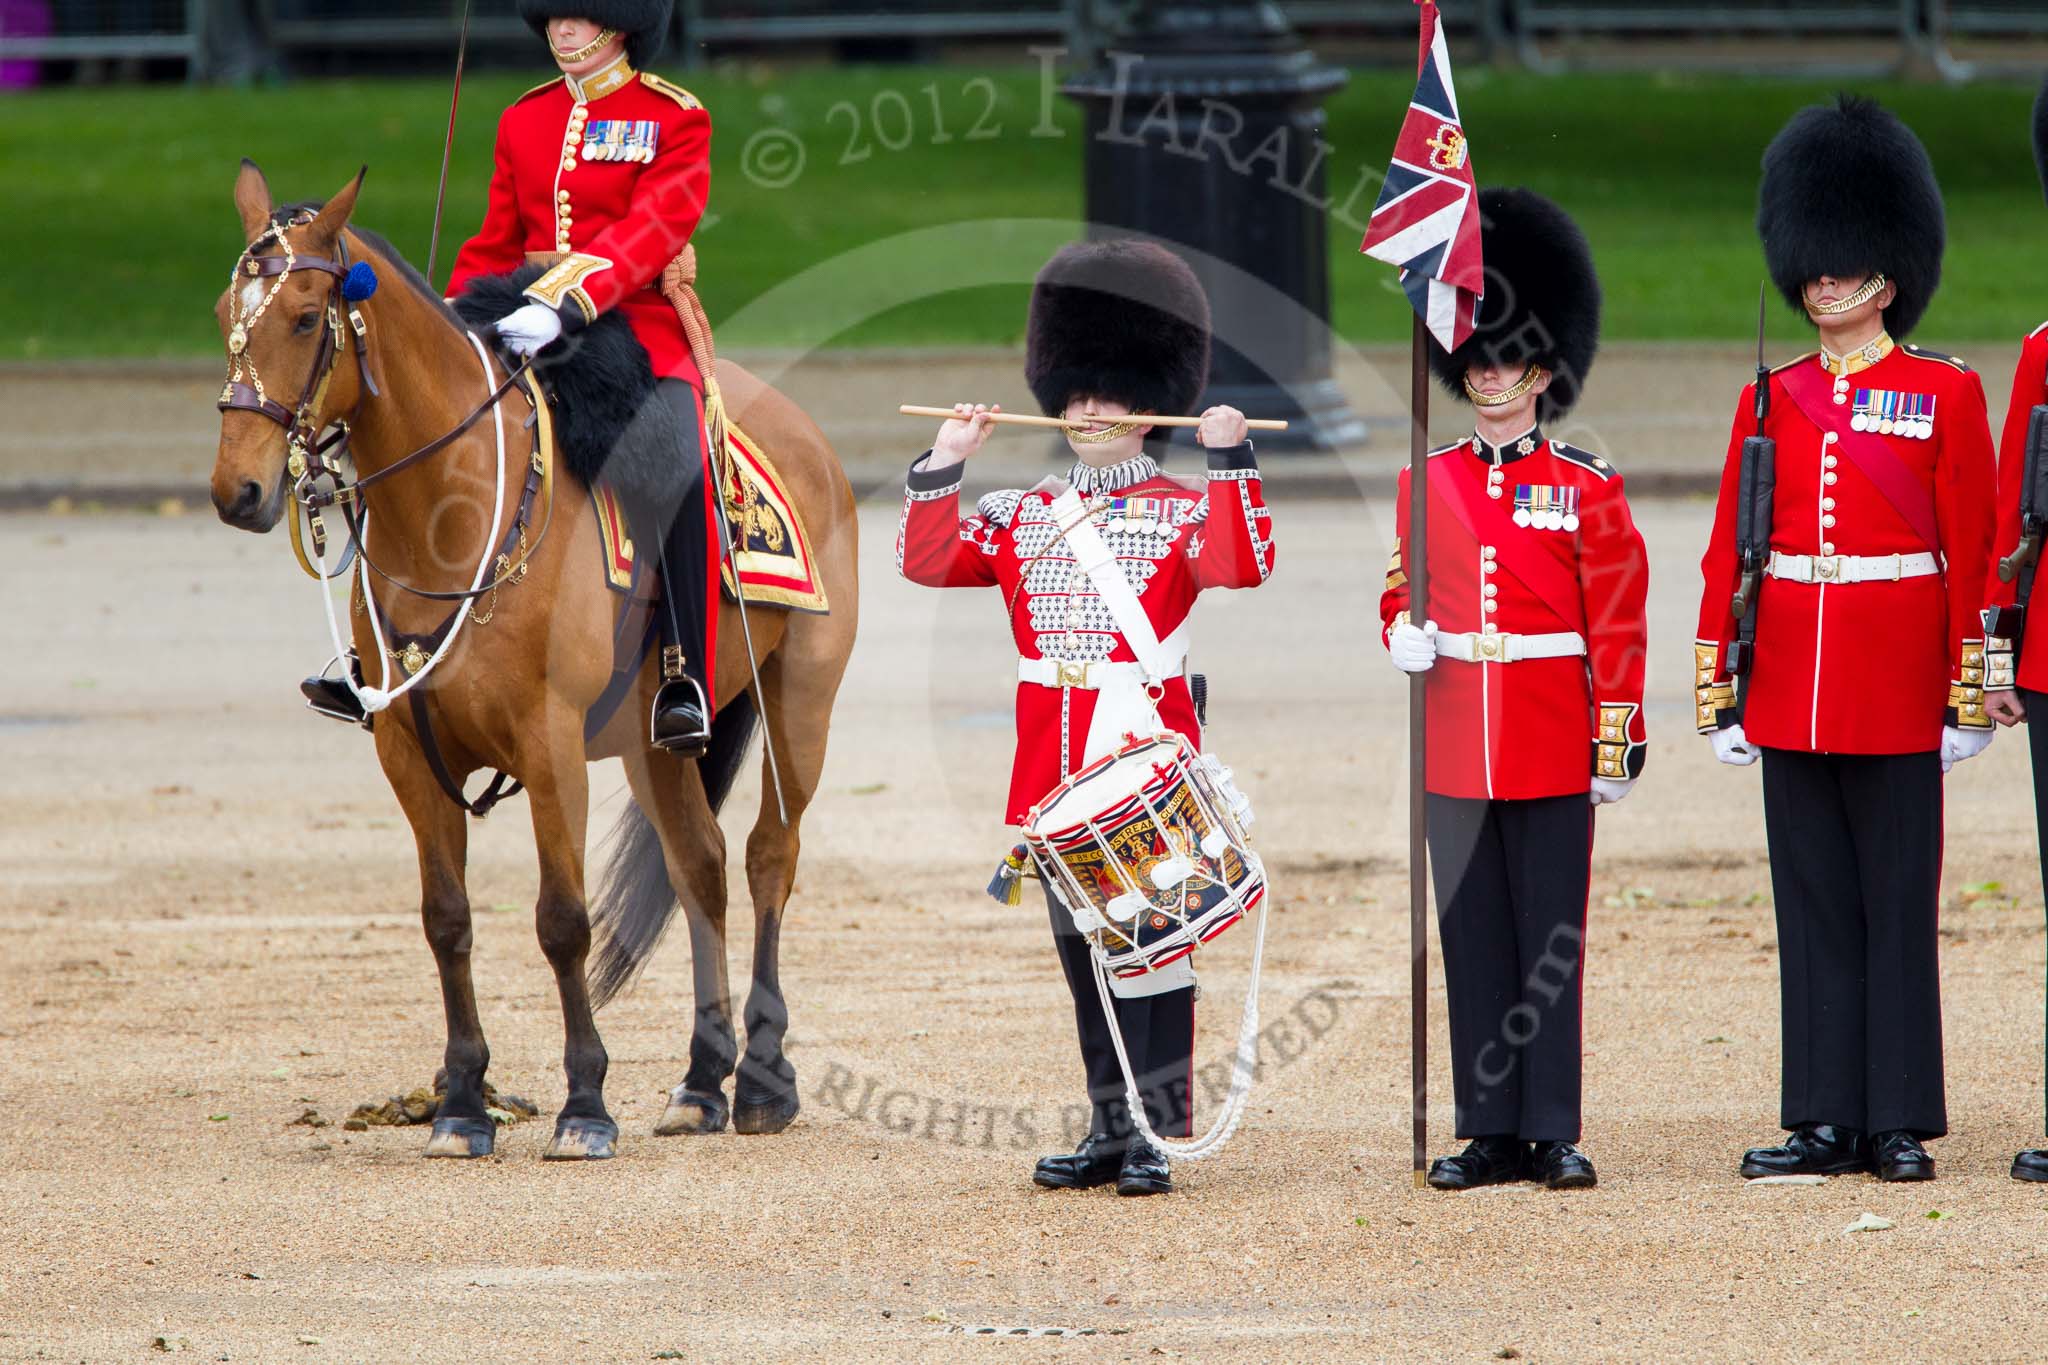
(309, 442)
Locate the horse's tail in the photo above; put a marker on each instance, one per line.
(635, 899)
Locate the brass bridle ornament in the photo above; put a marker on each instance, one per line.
(311, 443)
(306, 446)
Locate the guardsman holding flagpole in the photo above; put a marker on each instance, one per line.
(2015, 686)
(1865, 679)
(1534, 642)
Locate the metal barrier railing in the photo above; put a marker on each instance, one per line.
(795, 21)
(74, 30)
(345, 23)
(1538, 20)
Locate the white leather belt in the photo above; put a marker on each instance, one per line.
(1091, 677)
(1508, 649)
(1851, 568)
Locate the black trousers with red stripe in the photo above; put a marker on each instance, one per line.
(690, 547)
(1856, 873)
(1511, 881)
(1159, 1034)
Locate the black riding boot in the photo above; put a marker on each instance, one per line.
(332, 697)
(682, 708)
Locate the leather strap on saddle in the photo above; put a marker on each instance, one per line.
(679, 287)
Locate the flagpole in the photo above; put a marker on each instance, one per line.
(1417, 564)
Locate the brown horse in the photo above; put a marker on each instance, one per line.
(514, 690)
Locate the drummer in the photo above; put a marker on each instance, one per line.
(1118, 330)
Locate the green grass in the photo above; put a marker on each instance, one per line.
(120, 231)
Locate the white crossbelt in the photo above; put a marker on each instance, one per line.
(1851, 568)
(1509, 649)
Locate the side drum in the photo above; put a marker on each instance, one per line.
(1147, 849)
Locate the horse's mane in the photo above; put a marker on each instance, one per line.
(390, 256)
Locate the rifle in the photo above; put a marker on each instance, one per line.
(1755, 491)
(2026, 556)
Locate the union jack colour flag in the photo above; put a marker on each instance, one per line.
(1427, 217)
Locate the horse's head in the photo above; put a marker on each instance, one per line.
(281, 318)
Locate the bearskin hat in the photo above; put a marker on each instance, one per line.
(2041, 135)
(1542, 303)
(644, 22)
(1123, 320)
(1848, 190)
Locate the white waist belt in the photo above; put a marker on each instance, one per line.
(1508, 649)
(1851, 568)
(1092, 677)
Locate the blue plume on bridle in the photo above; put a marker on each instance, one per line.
(360, 283)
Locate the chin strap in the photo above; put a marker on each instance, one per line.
(1872, 287)
(1531, 377)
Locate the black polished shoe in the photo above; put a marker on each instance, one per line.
(1144, 1170)
(679, 723)
(1561, 1166)
(1900, 1157)
(2031, 1164)
(1485, 1161)
(331, 697)
(1098, 1161)
(1813, 1149)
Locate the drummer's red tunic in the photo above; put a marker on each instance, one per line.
(1218, 535)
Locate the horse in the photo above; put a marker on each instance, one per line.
(523, 673)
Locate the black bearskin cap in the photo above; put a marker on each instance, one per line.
(1542, 304)
(1123, 320)
(2041, 135)
(1848, 190)
(644, 22)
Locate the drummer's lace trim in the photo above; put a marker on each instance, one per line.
(1111, 478)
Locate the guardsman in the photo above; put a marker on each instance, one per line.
(2016, 665)
(1865, 681)
(1118, 329)
(604, 172)
(1534, 641)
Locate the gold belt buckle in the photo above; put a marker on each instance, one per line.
(1492, 647)
(1073, 675)
(1827, 566)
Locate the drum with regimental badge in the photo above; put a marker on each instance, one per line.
(1147, 849)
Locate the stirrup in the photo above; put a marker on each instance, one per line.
(331, 696)
(688, 747)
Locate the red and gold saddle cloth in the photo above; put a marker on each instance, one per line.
(776, 567)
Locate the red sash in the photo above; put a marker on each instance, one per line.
(1812, 388)
(1514, 549)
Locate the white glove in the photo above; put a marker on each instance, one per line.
(1957, 745)
(1413, 647)
(1732, 747)
(530, 329)
(1608, 790)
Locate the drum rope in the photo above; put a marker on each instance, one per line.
(1243, 1065)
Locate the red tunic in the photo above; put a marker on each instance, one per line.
(2029, 390)
(1171, 541)
(616, 182)
(1863, 667)
(1536, 727)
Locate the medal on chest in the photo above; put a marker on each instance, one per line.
(1140, 516)
(1889, 412)
(1546, 507)
(621, 140)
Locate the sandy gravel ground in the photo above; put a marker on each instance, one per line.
(208, 925)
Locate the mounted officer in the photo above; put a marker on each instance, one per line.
(601, 176)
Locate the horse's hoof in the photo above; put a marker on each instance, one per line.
(463, 1138)
(693, 1111)
(771, 1114)
(583, 1140)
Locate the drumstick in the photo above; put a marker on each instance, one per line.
(1023, 419)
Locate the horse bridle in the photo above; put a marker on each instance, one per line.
(308, 444)
(244, 390)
